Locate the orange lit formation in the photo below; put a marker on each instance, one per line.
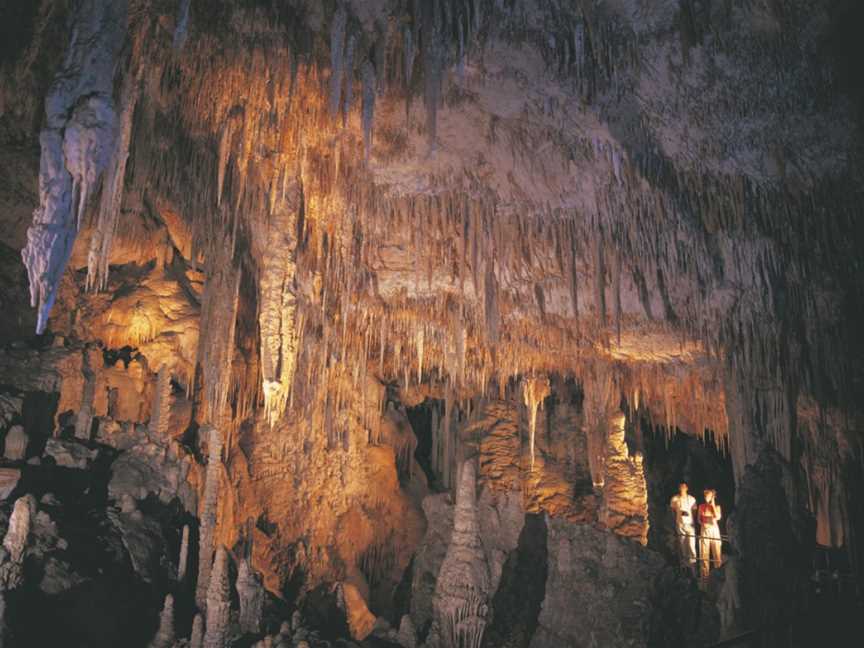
(316, 215)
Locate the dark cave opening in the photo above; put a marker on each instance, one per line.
(669, 461)
(516, 604)
(421, 418)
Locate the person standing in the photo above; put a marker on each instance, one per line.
(710, 514)
(683, 504)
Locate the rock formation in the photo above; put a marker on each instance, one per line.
(15, 542)
(182, 561)
(407, 634)
(368, 239)
(15, 444)
(625, 494)
(218, 603)
(196, 639)
(462, 591)
(251, 595)
(208, 515)
(165, 635)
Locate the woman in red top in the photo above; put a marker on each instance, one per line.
(709, 532)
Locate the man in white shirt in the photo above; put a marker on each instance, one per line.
(684, 506)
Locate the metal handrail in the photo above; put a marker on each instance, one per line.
(733, 640)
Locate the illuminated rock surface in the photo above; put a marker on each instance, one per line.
(292, 265)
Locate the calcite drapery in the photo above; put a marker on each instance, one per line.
(275, 246)
(76, 145)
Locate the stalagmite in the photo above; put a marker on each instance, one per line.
(534, 392)
(407, 637)
(196, 639)
(251, 595)
(182, 562)
(165, 635)
(76, 141)
(218, 603)
(14, 543)
(2, 620)
(461, 602)
(208, 514)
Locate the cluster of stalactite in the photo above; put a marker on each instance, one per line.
(262, 142)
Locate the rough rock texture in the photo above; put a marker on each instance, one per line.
(196, 639)
(14, 543)
(500, 516)
(597, 591)
(76, 145)
(625, 493)
(15, 444)
(206, 546)
(331, 207)
(70, 454)
(250, 593)
(9, 478)
(165, 635)
(218, 603)
(462, 598)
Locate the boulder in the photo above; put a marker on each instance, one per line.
(9, 478)
(70, 454)
(15, 448)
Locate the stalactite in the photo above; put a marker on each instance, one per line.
(367, 74)
(182, 28)
(599, 280)
(75, 142)
(218, 325)
(112, 191)
(598, 389)
(276, 246)
(616, 290)
(182, 562)
(349, 78)
(337, 50)
(432, 72)
(224, 153)
(208, 514)
(218, 603)
(408, 56)
(534, 392)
